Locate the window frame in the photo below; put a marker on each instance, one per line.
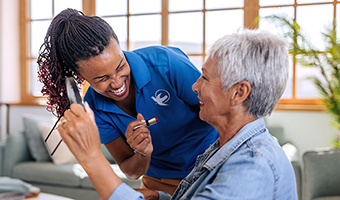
(251, 11)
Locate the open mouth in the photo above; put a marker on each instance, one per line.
(200, 102)
(120, 91)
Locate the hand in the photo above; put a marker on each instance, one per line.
(139, 139)
(80, 133)
(149, 194)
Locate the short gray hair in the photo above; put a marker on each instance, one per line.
(258, 57)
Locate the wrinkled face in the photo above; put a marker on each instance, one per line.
(214, 102)
(108, 73)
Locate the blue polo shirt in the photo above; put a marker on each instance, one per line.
(163, 77)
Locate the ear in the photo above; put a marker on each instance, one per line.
(241, 92)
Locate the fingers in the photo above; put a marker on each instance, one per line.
(77, 109)
(66, 127)
(79, 131)
(63, 120)
(89, 110)
(140, 117)
(139, 139)
(74, 120)
(140, 121)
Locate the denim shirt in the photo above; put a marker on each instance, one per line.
(250, 166)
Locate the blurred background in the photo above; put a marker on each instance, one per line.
(192, 25)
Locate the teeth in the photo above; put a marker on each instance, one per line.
(201, 102)
(120, 90)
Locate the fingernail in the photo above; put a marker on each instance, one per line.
(142, 121)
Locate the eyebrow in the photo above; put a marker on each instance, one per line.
(204, 70)
(119, 64)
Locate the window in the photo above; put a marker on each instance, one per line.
(193, 26)
(36, 16)
(301, 92)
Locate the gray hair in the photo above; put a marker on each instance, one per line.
(258, 57)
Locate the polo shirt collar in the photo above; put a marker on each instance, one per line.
(140, 72)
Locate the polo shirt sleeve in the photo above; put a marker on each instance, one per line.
(183, 74)
(107, 132)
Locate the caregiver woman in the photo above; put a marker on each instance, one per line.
(128, 87)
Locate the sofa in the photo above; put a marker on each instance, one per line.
(26, 157)
(33, 165)
(321, 177)
(68, 180)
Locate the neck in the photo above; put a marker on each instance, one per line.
(228, 127)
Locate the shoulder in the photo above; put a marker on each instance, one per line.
(263, 153)
(89, 96)
(95, 100)
(160, 54)
(259, 151)
(159, 50)
(266, 147)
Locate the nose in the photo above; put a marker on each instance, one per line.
(195, 86)
(114, 82)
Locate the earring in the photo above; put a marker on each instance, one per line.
(233, 103)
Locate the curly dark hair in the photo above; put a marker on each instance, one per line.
(71, 37)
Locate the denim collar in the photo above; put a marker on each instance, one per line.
(248, 131)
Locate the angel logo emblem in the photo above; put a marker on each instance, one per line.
(161, 97)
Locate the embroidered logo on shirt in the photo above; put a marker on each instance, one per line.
(161, 97)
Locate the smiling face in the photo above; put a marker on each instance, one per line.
(214, 102)
(108, 73)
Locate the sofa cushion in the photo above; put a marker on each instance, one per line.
(327, 198)
(107, 154)
(278, 133)
(62, 154)
(86, 182)
(47, 173)
(32, 134)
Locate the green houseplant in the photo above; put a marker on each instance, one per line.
(327, 61)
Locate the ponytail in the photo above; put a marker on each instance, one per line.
(71, 37)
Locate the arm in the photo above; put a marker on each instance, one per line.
(183, 74)
(132, 164)
(81, 135)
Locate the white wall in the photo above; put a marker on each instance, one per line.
(10, 54)
(9, 57)
(17, 112)
(1, 33)
(2, 116)
(308, 130)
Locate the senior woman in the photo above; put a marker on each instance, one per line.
(242, 80)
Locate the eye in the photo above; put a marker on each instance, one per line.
(121, 67)
(103, 79)
(204, 78)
